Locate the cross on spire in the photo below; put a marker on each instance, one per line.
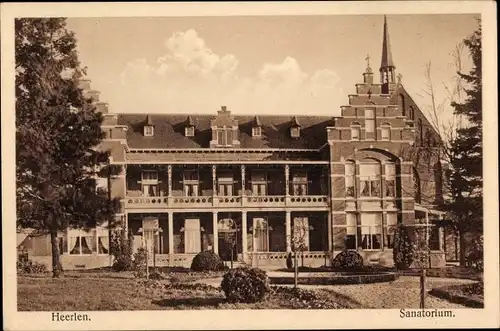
(367, 61)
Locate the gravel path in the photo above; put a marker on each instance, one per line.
(402, 293)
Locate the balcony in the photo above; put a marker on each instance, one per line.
(270, 201)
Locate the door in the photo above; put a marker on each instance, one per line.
(192, 235)
(260, 235)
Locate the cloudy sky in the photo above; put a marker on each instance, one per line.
(259, 64)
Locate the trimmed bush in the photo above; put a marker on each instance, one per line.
(245, 285)
(347, 260)
(139, 263)
(207, 261)
(121, 249)
(403, 250)
(30, 267)
(289, 261)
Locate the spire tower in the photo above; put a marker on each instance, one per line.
(387, 67)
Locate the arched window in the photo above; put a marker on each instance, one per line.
(369, 178)
(390, 180)
(401, 103)
(417, 186)
(350, 176)
(420, 132)
(355, 131)
(411, 113)
(385, 130)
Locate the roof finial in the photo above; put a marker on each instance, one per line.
(368, 69)
(400, 78)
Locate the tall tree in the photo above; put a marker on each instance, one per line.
(57, 131)
(466, 174)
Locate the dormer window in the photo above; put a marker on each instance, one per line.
(256, 131)
(224, 136)
(295, 128)
(189, 127)
(256, 128)
(189, 131)
(149, 130)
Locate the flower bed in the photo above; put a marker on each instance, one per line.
(336, 278)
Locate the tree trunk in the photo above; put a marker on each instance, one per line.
(461, 236)
(56, 263)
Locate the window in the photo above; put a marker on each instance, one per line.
(411, 113)
(189, 131)
(416, 186)
(260, 235)
(369, 179)
(350, 176)
(149, 130)
(225, 181)
(150, 183)
(391, 222)
(390, 180)
(420, 132)
(224, 136)
(401, 102)
(256, 131)
(295, 132)
(355, 131)
(102, 239)
(351, 230)
(110, 134)
(370, 120)
(191, 183)
(434, 238)
(385, 131)
(81, 242)
(259, 183)
(371, 230)
(299, 183)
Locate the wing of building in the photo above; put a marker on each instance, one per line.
(191, 182)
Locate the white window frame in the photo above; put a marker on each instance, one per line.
(256, 131)
(295, 132)
(352, 224)
(385, 128)
(391, 221)
(224, 132)
(370, 118)
(390, 178)
(372, 231)
(370, 179)
(79, 234)
(352, 177)
(191, 184)
(149, 131)
(355, 128)
(189, 131)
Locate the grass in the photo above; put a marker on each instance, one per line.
(78, 291)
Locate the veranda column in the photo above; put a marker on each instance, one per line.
(244, 233)
(214, 183)
(427, 233)
(170, 233)
(287, 183)
(329, 226)
(169, 169)
(216, 233)
(243, 184)
(288, 229)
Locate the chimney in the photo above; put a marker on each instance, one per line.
(84, 84)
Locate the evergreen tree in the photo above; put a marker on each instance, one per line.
(57, 131)
(466, 180)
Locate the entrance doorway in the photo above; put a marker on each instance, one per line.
(229, 239)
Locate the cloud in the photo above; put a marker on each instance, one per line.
(190, 77)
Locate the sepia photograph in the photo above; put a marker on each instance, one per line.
(250, 162)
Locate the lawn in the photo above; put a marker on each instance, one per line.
(119, 291)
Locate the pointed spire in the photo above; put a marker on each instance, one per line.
(386, 49)
(295, 122)
(256, 121)
(149, 121)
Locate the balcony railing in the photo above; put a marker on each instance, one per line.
(226, 201)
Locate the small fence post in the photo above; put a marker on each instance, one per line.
(422, 289)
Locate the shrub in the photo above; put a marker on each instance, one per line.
(121, 249)
(347, 260)
(403, 250)
(25, 266)
(245, 285)
(139, 263)
(475, 256)
(207, 261)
